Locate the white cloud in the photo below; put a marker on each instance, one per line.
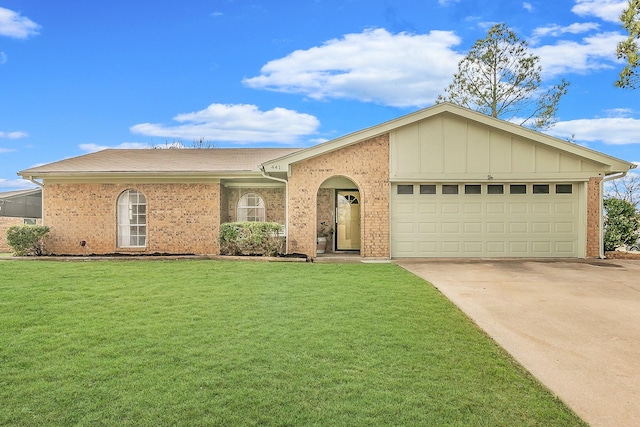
(7, 150)
(13, 135)
(587, 55)
(239, 123)
(17, 183)
(528, 6)
(3, 58)
(16, 26)
(557, 30)
(403, 70)
(95, 147)
(610, 130)
(607, 10)
(446, 3)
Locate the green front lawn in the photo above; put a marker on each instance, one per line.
(228, 343)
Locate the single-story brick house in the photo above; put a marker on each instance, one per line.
(441, 182)
(18, 208)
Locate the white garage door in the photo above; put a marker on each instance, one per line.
(486, 220)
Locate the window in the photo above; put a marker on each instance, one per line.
(517, 189)
(564, 189)
(427, 189)
(30, 221)
(405, 189)
(132, 219)
(495, 189)
(251, 208)
(472, 189)
(449, 189)
(540, 188)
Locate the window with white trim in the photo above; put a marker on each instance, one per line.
(132, 220)
(251, 208)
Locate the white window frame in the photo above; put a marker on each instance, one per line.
(251, 207)
(132, 219)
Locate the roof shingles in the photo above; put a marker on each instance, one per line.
(163, 161)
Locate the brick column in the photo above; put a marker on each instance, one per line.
(593, 217)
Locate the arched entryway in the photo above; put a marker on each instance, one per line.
(338, 215)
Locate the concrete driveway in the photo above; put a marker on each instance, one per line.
(574, 324)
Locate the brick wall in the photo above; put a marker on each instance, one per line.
(367, 165)
(593, 217)
(181, 218)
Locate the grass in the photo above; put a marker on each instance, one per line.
(239, 344)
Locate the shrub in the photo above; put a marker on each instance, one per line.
(621, 224)
(26, 239)
(251, 238)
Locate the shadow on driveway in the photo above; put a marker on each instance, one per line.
(574, 324)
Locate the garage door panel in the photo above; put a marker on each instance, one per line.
(474, 248)
(495, 208)
(518, 208)
(473, 208)
(473, 227)
(495, 227)
(565, 227)
(541, 247)
(540, 227)
(428, 248)
(518, 227)
(496, 248)
(540, 208)
(519, 248)
(427, 208)
(564, 208)
(427, 227)
(450, 208)
(478, 225)
(566, 248)
(406, 227)
(450, 248)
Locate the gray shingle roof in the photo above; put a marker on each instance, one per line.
(163, 160)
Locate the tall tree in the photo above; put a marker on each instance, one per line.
(627, 188)
(499, 77)
(628, 49)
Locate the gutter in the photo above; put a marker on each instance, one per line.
(41, 185)
(601, 219)
(286, 204)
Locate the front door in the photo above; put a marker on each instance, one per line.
(348, 220)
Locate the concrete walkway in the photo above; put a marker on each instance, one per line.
(574, 324)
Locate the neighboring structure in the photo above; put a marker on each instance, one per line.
(442, 182)
(18, 208)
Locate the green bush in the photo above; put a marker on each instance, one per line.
(251, 238)
(621, 224)
(26, 239)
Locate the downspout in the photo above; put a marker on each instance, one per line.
(286, 204)
(41, 185)
(601, 221)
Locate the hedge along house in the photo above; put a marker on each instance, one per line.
(442, 182)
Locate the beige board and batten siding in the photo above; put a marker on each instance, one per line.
(449, 149)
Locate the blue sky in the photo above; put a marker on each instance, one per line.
(77, 76)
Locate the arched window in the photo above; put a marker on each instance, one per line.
(251, 208)
(132, 219)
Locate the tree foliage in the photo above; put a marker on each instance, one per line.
(499, 77)
(621, 224)
(628, 49)
(27, 239)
